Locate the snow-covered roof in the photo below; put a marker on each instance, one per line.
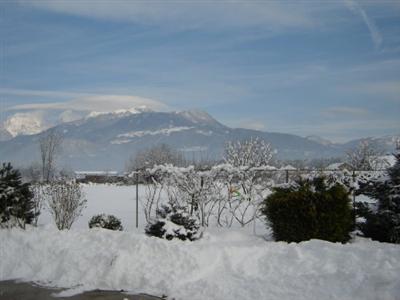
(100, 173)
(335, 166)
(288, 167)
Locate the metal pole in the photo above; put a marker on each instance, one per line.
(354, 197)
(287, 176)
(137, 199)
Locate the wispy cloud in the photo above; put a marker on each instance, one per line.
(376, 35)
(41, 93)
(283, 63)
(345, 111)
(186, 13)
(384, 89)
(82, 101)
(344, 130)
(248, 124)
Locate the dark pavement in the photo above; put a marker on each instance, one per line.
(11, 290)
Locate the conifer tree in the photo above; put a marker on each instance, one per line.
(383, 223)
(16, 199)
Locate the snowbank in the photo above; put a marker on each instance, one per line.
(223, 265)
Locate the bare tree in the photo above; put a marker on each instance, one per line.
(248, 186)
(365, 157)
(65, 202)
(251, 153)
(152, 198)
(50, 146)
(38, 191)
(32, 173)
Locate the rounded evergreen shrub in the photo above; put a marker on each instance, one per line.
(309, 210)
(174, 222)
(105, 221)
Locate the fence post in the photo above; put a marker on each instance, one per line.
(287, 176)
(137, 199)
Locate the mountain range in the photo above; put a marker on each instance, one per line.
(106, 140)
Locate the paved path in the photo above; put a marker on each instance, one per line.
(11, 290)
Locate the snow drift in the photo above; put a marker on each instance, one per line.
(223, 265)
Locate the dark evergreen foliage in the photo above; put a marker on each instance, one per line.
(16, 199)
(173, 222)
(105, 221)
(394, 172)
(309, 210)
(382, 222)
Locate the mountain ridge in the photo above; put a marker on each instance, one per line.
(106, 141)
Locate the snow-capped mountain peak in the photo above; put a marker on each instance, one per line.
(197, 116)
(24, 124)
(120, 112)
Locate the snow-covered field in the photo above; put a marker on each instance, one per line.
(224, 264)
(110, 199)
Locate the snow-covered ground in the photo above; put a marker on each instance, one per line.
(224, 264)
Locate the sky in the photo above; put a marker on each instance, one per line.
(329, 68)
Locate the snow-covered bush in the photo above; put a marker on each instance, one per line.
(383, 221)
(254, 152)
(309, 210)
(185, 187)
(222, 195)
(351, 180)
(245, 188)
(225, 195)
(16, 204)
(105, 221)
(65, 201)
(174, 222)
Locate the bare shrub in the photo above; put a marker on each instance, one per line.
(65, 201)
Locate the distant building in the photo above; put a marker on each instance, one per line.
(99, 176)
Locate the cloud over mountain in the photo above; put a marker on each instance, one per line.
(102, 103)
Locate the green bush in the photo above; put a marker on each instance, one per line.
(105, 221)
(309, 210)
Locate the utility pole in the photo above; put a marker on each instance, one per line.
(137, 198)
(354, 196)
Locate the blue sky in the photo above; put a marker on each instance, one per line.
(327, 68)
